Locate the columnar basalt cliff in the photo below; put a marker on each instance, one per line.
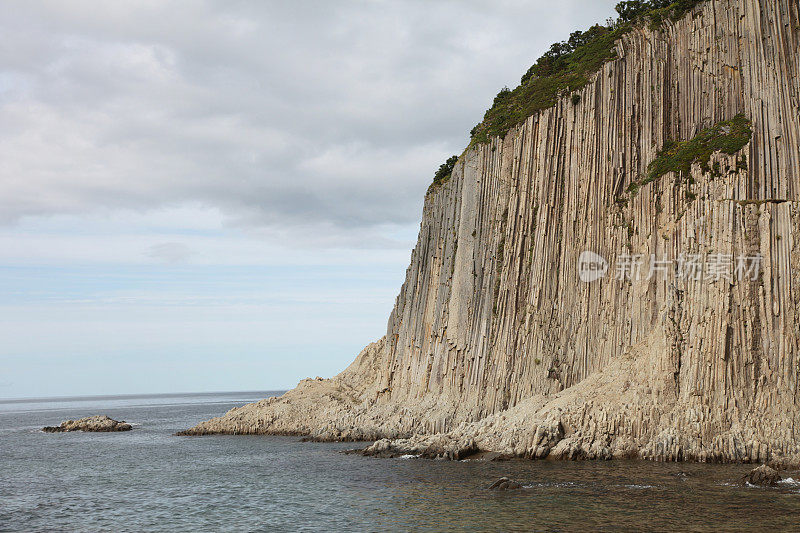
(495, 344)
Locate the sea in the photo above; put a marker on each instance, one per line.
(149, 479)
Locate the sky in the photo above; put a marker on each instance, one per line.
(223, 195)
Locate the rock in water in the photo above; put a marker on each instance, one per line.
(763, 476)
(96, 424)
(505, 483)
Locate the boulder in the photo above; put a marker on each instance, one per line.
(505, 483)
(98, 424)
(763, 476)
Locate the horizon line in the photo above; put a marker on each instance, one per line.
(130, 396)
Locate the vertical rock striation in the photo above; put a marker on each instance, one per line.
(495, 344)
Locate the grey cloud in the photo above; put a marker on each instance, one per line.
(302, 114)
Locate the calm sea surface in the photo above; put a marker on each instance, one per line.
(149, 480)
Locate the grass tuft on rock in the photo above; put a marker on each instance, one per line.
(728, 137)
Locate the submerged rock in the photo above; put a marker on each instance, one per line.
(763, 476)
(505, 483)
(97, 424)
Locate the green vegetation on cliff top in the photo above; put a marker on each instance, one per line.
(566, 67)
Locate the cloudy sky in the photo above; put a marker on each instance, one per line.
(223, 195)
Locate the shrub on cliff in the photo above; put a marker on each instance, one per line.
(655, 10)
(630, 10)
(444, 172)
(672, 11)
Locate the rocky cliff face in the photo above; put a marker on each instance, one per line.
(496, 344)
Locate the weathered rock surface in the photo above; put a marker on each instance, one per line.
(763, 476)
(494, 343)
(98, 424)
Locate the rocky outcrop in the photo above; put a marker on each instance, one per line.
(496, 344)
(96, 424)
(763, 476)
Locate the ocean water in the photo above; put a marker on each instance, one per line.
(150, 480)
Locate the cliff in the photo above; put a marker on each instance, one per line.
(495, 343)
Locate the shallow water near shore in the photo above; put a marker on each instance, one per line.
(150, 480)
